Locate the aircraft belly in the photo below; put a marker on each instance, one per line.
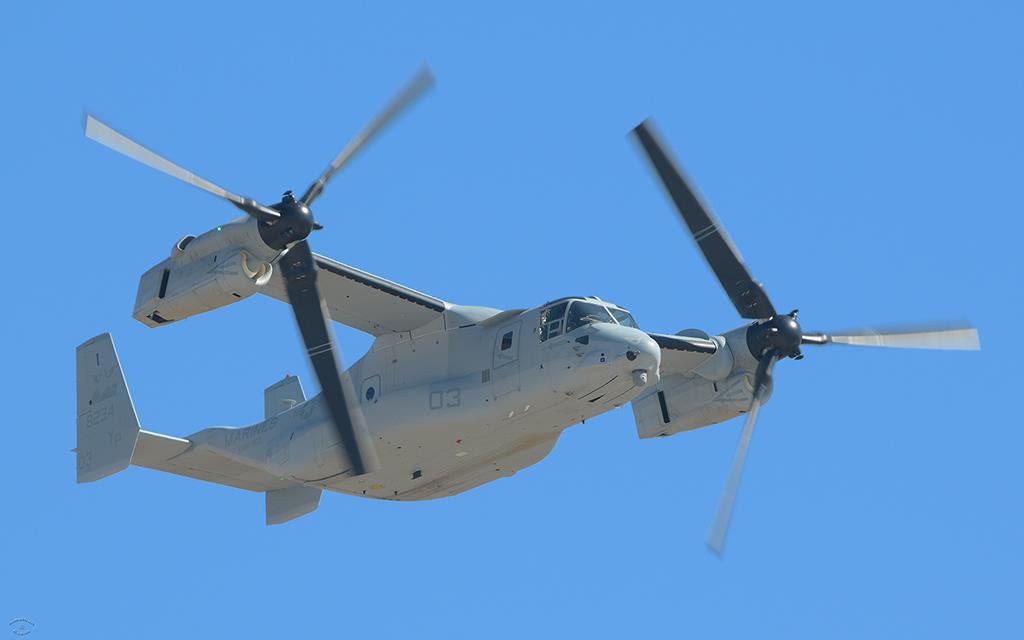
(500, 464)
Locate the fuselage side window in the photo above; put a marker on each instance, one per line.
(506, 341)
(552, 320)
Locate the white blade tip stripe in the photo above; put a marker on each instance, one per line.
(953, 339)
(324, 348)
(705, 233)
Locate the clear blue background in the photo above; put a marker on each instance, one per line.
(867, 160)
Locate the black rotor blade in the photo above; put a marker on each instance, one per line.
(414, 89)
(720, 526)
(722, 256)
(300, 273)
(108, 137)
(957, 338)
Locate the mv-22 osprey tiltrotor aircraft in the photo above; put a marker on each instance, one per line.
(449, 396)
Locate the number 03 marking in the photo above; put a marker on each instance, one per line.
(445, 399)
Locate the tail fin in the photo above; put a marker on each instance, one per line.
(107, 424)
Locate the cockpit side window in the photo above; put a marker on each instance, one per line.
(581, 313)
(552, 321)
(624, 318)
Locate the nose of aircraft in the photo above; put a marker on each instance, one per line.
(630, 350)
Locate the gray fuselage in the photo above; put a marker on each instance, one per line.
(475, 396)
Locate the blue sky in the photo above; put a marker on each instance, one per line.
(867, 159)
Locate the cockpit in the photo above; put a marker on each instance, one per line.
(565, 315)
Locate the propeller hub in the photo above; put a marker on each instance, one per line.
(781, 334)
(295, 224)
(787, 339)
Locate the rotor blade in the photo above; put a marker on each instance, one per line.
(721, 255)
(101, 133)
(300, 273)
(419, 83)
(720, 526)
(950, 338)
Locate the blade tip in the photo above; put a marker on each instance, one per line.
(89, 123)
(426, 74)
(715, 547)
(974, 339)
(643, 126)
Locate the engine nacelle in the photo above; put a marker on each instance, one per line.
(222, 266)
(682, 403)
(718, 389)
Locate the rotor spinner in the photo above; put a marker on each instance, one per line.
(781, 334)
(295, 224)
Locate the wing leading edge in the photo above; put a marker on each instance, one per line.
(366, 302)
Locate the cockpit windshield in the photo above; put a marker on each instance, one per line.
(554, 321)
(624, 318)
(581, 313)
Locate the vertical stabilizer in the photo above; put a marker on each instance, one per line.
(107, 424)
(287, 504)
(282, 396)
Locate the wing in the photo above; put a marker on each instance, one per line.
(683, 354)
(364, 301)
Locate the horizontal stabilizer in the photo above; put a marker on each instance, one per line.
(192, 458)
(154, 448)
